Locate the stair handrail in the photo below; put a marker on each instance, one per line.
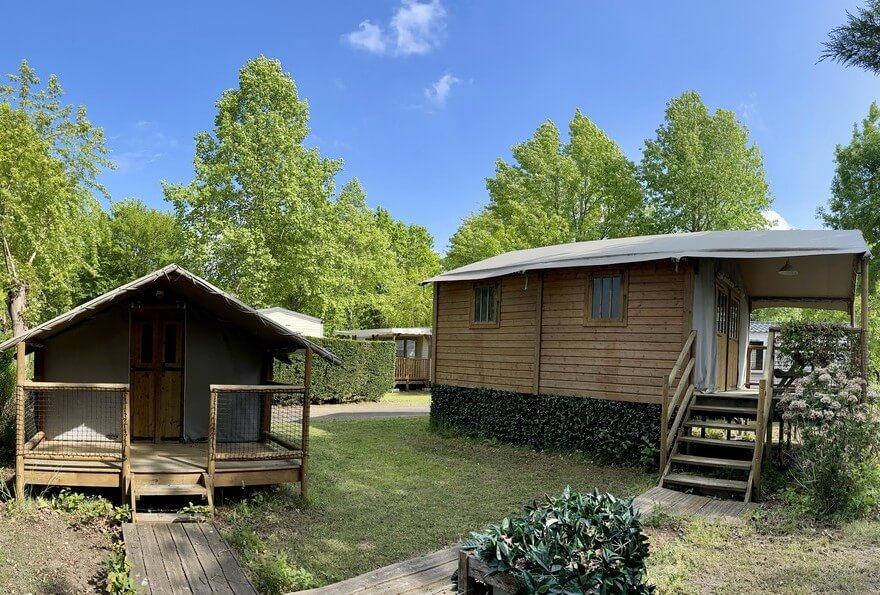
(764, 411)
(677, 404)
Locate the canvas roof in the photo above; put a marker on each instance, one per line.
(825, 260)
(194, 289)
(370, 333)
(286, 312)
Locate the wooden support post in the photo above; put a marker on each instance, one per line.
(21, 377)
(212, 435)
(267, 375)
(864, 320)
(436, 289)
(307, 399)
(539, 323)
(664, 424)
(466, 583)
(126, 443)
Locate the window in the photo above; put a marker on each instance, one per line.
(757, 358)
(606, 298)
(406, 347)
(485, 306)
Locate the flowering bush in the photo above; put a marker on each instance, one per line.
(835, 416)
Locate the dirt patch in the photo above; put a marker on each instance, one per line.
(41, 553)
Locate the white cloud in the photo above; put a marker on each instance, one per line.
(439, 91)
(776, 220)
(368, 36)
(415, 28)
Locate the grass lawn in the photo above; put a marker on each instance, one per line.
(413, 397)
(388, 490)
(698, 558)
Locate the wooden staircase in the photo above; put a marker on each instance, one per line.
(174, 486)
(713, 443)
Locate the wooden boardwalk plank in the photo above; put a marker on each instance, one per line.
(210, 564)
(157, 576)
(189, 561)
(235, 576)
(135, 554)
(171, 559)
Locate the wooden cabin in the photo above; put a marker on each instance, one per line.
(161, 387)
(412, 361)
(658, 320)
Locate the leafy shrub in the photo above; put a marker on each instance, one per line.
(819, 344)
(835, 415)
(271, 572)
(611, 431)
(7, 406)
(577, 543)
(366, 373)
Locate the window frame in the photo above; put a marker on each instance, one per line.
(488, 324)
(621, 321)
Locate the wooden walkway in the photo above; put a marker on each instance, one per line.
(680, 503)
(188, 558)
(429, 574)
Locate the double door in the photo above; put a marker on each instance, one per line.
(727, 323)
(157, 356)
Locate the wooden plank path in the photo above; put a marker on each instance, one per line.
(680, 503)
(185, 558)
(428, 574)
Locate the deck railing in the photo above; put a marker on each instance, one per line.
(763, 419)
(257, 423)
(675, 402)
(409, 370)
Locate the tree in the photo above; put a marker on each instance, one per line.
(855, 189)
(50, 158)
(257, 214)
(555, 192)
(857, 43)
(700, 172)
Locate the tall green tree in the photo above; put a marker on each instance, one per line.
(257, 215)
(554, 192)
(50, 158)
(857, 42)
(701, 173)
(855, 189)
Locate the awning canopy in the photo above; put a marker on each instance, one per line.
(195, 290)
(376, 333)
(825, 260)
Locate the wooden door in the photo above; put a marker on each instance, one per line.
(733, 318)
(722, 326)
(157, 352)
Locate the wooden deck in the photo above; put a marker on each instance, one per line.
(680, 503)
(428, 574)
(182, 558)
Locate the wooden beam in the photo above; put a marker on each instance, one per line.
(436, 289)
(212, 434)
(21, 363)
(266, 398)
(307, 397)
(539, 324)
(19, 439)
(864, 320)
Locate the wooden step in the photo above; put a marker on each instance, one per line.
(718, 425)
(170, 490)
(720, 442)
(724, 410)
(700, 481)
(166, 517)
(711, 462)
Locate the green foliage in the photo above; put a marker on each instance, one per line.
(855, 189)
(611, 431)
(555, 192)
(576, 543)
(50, 159)
(7, 406)
(117, 571)
(261, 219)
(701, 173)
(857, 43)
(819, 344)
(836, 417)
(366, 373)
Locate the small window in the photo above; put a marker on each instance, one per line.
(757, 355)
(170, 344)
(607, 298)
(146, 343)
(406, 347)
(485, 307)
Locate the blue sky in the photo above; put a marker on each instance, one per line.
(423, 98)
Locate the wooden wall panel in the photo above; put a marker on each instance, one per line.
(625, 362)
(613, 362)
(502, 357)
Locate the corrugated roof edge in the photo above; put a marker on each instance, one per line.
(84, 309)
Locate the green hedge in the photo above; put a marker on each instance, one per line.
(610, 431)
(366, 373)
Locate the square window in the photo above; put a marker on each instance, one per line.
(485, 306)
(606, 294)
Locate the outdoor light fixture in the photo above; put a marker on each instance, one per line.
(787, 270)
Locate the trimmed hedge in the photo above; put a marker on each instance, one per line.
(610, 431)
(366, 373)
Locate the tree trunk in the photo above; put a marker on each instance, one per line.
(16, 300)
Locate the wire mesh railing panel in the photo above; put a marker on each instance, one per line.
(259, 423)
(73, 422)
